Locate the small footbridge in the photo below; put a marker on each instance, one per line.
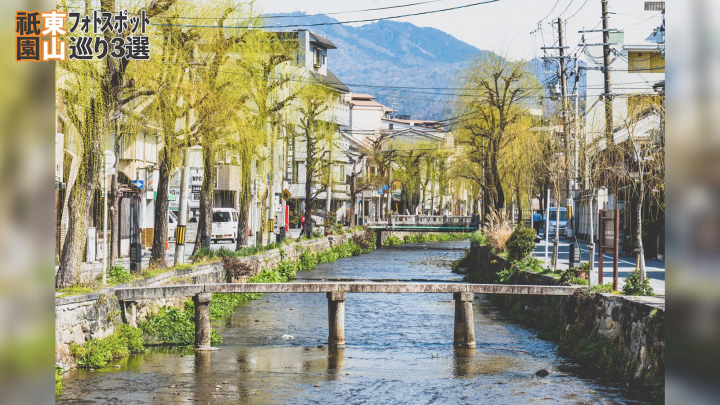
(336, 292)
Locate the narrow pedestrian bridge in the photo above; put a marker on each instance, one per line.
(336, 292)
(426, 223)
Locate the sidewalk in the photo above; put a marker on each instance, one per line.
(655, 269)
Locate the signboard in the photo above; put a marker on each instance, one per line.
(608, 227)
(139, 184)
(385, 187)
(286, 194)
(196, 189)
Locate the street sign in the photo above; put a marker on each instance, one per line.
(196, 189)
(385, 187)
(286, 194)
(110, 170)
(139, 184)
(380, 192)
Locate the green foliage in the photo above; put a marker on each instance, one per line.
(633, 286)
(521, 243)
(601, 288)
(393, 240)
(316, 234)
(530, 263)
(307, 261)
(508, 276)
(337, 229)
(118, 275)
(456, 264)
(97, 353)
(478, 238)
(59, 386)
(77, 290)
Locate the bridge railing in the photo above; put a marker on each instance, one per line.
(430, 220)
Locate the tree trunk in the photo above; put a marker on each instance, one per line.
(353, 198)
(519, 203)
(641, 251)
(244, 203)
(206, 197)
(80, 201)
(157, 260)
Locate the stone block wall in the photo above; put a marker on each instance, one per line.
(634, 326)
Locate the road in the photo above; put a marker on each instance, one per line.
(655, 269)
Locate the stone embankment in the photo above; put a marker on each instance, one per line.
(633, 326)
(84, 317)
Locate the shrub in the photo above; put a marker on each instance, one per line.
(530, 263)
(572, 276)
(633, 286)
(118, 274)
(58, 380)
(521, 243)
(601, 288)
(173, 326)
(307, 261)
(235, 268)
(498, 229)
(97, 353)
(338, 229)
(316, 234)
(331, 217)
(478, 238)
(393, 240)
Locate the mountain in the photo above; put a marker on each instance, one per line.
(391, 53)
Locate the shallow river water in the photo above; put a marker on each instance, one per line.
(399, 350)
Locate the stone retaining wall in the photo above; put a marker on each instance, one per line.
(634, 326)
(96, 315)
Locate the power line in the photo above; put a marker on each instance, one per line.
(332, 23)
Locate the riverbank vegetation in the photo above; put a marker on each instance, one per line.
(430, 237)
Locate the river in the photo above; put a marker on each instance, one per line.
(399, 350)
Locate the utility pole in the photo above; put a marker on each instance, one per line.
(606, 71)
(564, 119)
(180, 232)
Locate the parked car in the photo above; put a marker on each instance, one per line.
(551, 222)
(172, 225)
(224, 225)
(317, 220)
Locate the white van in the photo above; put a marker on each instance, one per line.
(172, 225)
(224, 225)
(563, 221)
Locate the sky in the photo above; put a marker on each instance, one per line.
(504, 26)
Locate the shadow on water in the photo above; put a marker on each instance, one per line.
(399, 350)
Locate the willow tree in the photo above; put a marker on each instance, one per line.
(167, 111)
(495, 92)
(221, 93)
(317, 135)
(101, 88)
(271, 89)
(409, 174)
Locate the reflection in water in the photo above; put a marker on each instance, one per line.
(399, 350)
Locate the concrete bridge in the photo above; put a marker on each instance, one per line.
(427, 223)
(463, 295)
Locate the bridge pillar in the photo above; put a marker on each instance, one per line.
(336, 319)
(464, 323)
(378, 239)
(130, 313)
(202, 321)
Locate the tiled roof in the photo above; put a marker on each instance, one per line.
(322, 41)
(361, 97)
(332, 81)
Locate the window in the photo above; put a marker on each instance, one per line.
(390, 126)
(318, 57)
(221, 217)
(563, 216)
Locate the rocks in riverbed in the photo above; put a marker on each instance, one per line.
(542, 373)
